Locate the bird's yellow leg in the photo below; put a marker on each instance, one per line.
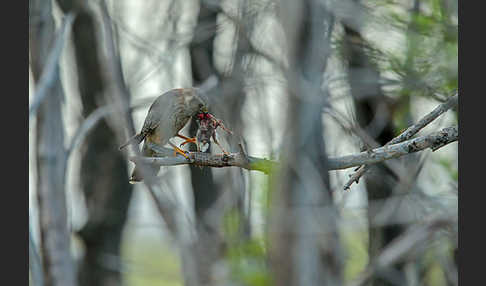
(178, 150)
(188, 140)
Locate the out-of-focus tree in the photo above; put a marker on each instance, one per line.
(45, 48)
(103, 168)
(304, 245)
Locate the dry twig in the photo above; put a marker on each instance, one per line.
(407, 134)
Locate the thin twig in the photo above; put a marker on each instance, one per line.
(433, 141)
(51, 68)
(407, 134)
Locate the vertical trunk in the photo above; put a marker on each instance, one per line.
(305, 248)
(103, 172)
(57, 262)
(371, 104)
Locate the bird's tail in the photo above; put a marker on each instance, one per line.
(137, 138)
(149, 170)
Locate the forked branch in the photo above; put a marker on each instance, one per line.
(433, 141)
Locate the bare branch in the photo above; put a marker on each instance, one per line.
(412, 130)
(433, 141)
(205, 159)
(99, 114)
(407, 134)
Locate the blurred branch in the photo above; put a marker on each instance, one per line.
(433, 141)
(99, 114)
(256, 50)
(402, 246)
(407, 134)
(50, 70)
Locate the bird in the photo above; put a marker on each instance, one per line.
(167, 115)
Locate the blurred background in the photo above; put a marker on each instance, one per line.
(297, 82)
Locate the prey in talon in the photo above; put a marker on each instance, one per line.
(207, 129)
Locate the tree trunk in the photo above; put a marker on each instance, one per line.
(304, 247)
(57, 262)
(105, 186)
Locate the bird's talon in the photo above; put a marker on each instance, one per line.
(180, 151)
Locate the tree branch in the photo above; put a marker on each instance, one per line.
(407, 134)
(240, 159)
(433, 141)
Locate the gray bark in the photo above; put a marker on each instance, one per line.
(57, 263)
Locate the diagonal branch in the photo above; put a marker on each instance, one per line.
(407, 134)
(433, 141)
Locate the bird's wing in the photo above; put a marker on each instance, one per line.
(161, 109)
(155, 113)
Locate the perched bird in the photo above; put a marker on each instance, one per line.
(167, 115)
